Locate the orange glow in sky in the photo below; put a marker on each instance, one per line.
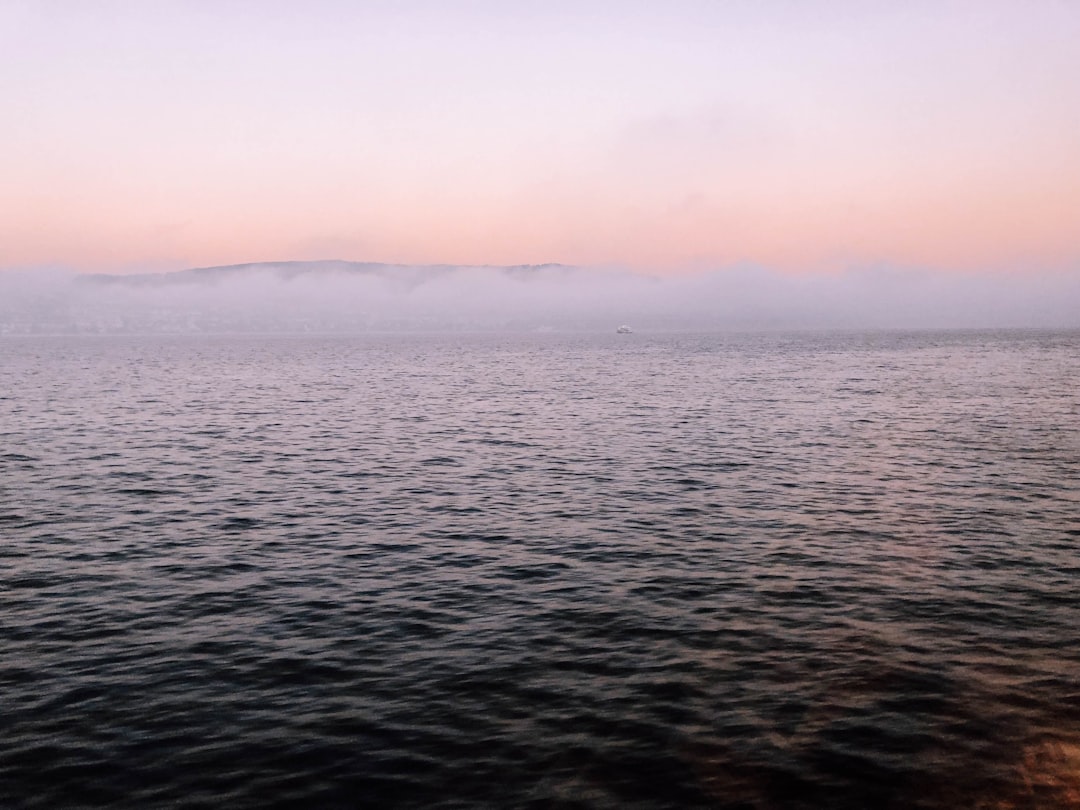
(700, 135)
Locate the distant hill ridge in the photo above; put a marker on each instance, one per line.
(292, 269)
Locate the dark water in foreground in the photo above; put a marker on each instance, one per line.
(541, 571)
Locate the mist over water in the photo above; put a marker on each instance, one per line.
(540, 570)
(352, 297)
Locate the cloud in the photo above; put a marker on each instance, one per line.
(351, 297)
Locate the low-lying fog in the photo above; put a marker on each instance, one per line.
(343, 296)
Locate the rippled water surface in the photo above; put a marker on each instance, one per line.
(608, 571)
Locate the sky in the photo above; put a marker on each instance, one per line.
(804, 137)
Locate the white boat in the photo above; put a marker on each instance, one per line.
(624, 330)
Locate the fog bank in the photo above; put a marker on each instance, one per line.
(337, 296)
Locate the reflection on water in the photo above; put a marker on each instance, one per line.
(675, 571)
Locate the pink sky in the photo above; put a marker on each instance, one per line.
(803, 136)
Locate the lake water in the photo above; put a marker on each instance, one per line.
(593, 571)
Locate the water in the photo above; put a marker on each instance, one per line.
(607, 571)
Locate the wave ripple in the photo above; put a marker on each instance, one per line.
(792, 571)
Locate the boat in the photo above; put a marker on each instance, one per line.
(624, 330)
